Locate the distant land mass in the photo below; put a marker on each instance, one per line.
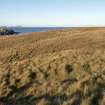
(7, 31)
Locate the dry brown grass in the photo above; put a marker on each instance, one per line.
(65, 67)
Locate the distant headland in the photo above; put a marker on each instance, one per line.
(7, 31)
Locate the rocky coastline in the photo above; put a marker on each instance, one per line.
(7, 31)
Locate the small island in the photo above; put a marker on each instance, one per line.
(7, 31)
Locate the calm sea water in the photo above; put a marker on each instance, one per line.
(35, 29)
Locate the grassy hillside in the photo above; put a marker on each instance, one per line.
(65, 67)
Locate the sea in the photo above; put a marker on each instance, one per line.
(35, 29)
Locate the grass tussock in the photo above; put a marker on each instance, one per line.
(34, 70)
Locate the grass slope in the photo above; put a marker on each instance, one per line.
(65, 67)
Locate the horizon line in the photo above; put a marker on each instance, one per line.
(53, 26)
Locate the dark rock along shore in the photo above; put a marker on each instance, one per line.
(6, 31)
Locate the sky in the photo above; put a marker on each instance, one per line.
(68, 13)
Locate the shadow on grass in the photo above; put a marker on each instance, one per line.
(32, 100)
(98, 94)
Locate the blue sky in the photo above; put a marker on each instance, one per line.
(52, 12)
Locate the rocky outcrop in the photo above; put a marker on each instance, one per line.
(6, 31)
